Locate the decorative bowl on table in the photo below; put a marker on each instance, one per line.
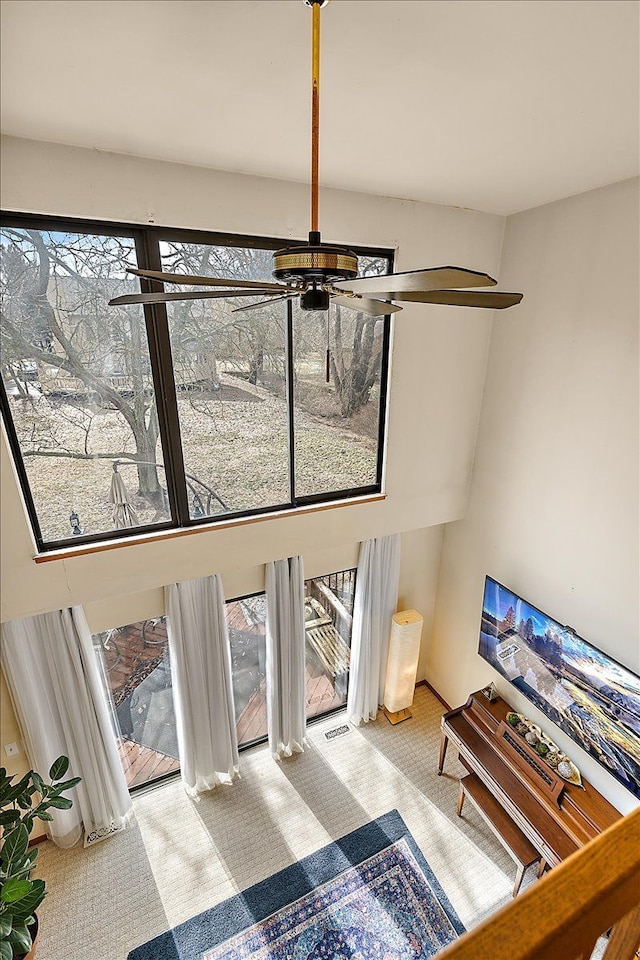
(547, 750)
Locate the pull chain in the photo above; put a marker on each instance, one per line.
(328, 366)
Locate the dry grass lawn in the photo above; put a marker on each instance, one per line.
(234, 440)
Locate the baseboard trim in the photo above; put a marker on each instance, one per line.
(425, 683)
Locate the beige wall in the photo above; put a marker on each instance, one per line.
(437, 375)
(10, 733)
(553, 511)
(418, 574)
(436, 385)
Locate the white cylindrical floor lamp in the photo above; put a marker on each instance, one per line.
(402, 664)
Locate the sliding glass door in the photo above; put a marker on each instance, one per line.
(136, 668)
(137, 675)
(328, 611)
(328, 625)
(247, 621)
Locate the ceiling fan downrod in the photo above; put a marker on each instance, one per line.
(316, 6)
(315, 263)
(319, 273)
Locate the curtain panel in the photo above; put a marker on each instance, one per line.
(375, 603)
(201, 680)
(54, 679)
(286, 716)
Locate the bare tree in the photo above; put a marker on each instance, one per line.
(355, 359)
(55, 314)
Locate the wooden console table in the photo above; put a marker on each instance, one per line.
(557, 819)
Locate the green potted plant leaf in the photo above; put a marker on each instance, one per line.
(21, 804)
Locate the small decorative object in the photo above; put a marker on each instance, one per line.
(490, 692)
(544, 747)
(20, 895)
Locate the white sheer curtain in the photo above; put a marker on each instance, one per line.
(55, 682)
(201, 680)
(286, 718)
(375, 603)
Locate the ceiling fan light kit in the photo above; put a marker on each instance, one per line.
(319, 273)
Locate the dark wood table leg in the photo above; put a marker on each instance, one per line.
(519, 875)
(541, 868)
(444, 742)
(461, 796)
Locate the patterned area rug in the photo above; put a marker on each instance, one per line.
(370, 896)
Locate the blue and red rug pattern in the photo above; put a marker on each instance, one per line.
(370, 896)
(379, 909)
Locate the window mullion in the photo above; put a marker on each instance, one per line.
(157, 325)
(14, 446)
(384, 388)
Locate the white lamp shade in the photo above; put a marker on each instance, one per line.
(402, 663)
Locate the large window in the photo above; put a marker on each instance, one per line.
(261, 410)
(135, 664)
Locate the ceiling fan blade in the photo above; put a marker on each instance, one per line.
(187, 278)
(373, 308)
(489, 299)
(263, 303)
(435, 278)
(161, 297)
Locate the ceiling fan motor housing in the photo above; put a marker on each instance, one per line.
(314, 264)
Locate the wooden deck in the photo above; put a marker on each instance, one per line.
(142, 765)
(240, 616)
(132, 653)
(321, 697)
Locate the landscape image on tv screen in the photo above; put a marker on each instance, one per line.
(594, 699)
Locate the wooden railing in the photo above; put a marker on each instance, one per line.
(331, 603)
(561, 916)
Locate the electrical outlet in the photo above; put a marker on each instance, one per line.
(11, 749)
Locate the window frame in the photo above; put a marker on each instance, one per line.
(147, 239)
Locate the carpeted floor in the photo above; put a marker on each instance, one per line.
(371, 894)
(179, 857)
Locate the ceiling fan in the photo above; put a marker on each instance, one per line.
(319, 273)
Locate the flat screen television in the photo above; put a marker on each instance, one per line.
(593, 698)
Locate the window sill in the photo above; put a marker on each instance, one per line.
(157, 536)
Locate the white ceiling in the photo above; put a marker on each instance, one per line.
(497, 105)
